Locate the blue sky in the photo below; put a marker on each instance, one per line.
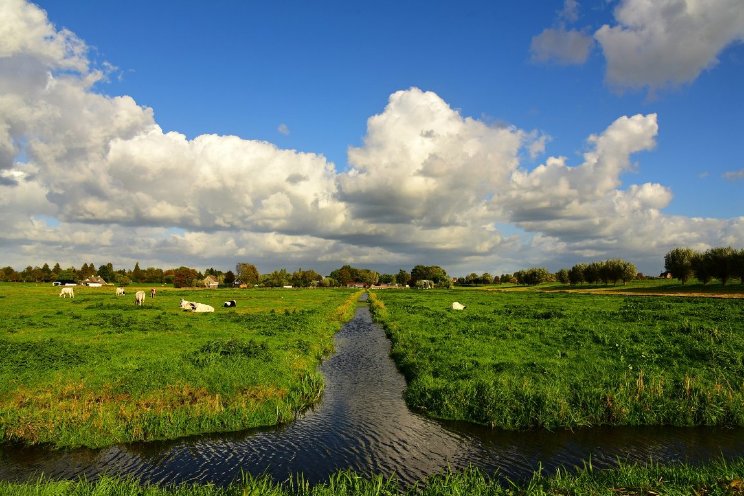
(306, 77)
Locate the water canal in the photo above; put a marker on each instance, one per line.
(363, 423)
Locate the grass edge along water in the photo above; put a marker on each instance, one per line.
(719, 477)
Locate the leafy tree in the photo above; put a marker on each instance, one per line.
(107, 272)
(56, 270)
(738, 266)
(592, 273)
(229, 278)
(720, 262)
(562, 276)
(276, 279)
(387, 278)
(403, 277)
(46, 273)
(138, 276)
(184, 277)
(486, 278)
(678, 262)
(429, 272)
(535, 276)
(701, 268)
(67, 275)
(247, 274)
(305, 278)
(344, 275)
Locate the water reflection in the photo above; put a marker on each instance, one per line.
(363, 423)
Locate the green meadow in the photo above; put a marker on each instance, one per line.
(716, 478)
(97, 370)
(531, 359)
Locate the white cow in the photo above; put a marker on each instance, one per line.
(193, 306)
(457, 306)
(119, 291)
(139, 298)
(201, 308)
(67, 292)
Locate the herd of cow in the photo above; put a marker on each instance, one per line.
(139, 300)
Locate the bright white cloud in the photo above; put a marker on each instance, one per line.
(657, 43)
(88, 177)
(560, 46)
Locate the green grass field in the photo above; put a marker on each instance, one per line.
(525, 359)
(717, 478)
(96, 370)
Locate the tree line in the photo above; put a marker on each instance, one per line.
(719, 263)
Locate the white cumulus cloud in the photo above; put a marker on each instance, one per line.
(657, 43)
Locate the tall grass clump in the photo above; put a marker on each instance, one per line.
(536, 360)
(712, 479)
(96, 370)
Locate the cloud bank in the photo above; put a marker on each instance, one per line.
(87, 177)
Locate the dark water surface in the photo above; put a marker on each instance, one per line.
(363, 423)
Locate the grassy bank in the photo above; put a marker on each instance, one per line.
(96, 370)
(718, 478)
(531, 359)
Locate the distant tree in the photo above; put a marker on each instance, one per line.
(8, 274)
(592, 273)
(276, 279)
(152, 275)
(628, 271)
(184, 277)
(562, 276)
(738, 265)
(496, 280)
(67, 275)
(55, 271)
(472, 278)
(107, 272)
(403, 278)
(344, 275)
(138, 276)
(247, 274)
(46, 273)
(486, 278)
(387, 279)
(305, 278)
(720, 263)
(701, 268)
(229, 278)
(535, 276)
(678, 262)
(505, 278)
(430, 272)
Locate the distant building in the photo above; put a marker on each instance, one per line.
(210, 282)
(94, 282)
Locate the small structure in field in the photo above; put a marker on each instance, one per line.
(210, 282)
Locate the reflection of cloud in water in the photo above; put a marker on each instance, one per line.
(363, 423)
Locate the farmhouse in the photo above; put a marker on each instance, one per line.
(210, 282)
(94, 282)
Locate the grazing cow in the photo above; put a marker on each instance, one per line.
(152, 293)
(139, 298)
(120, 292)
(67, 292)
(458, 306)
(230, 303)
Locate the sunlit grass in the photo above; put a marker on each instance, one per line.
(530, 359)
(96, 370)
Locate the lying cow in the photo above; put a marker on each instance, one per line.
(120, 292)
(67, 292)
(139, 298)
(230, 303)
(193, 306)
(458, 306)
